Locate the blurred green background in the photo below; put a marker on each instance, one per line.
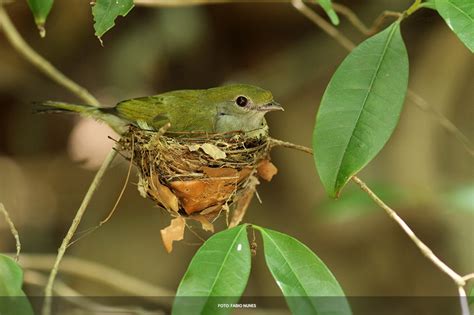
(47, 162)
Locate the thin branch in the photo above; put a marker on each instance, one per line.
(80, 301)
(72, 229)
(13, 230)
(425, 250)
(278, 143)
(323, 24)
(468, 277)
(442, 120)
(39, 62)
(99, 273)
(49, 70)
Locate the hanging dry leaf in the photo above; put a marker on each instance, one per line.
(174, 232)
(266, 170)
(243, 203)
(205, 224)
(163, 194)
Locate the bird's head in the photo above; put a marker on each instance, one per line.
(241, 106)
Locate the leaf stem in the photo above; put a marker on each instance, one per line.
(13, 230)
(25, 50)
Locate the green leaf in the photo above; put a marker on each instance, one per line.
(40, 10)
(360, 108)
(327, 7)
(430, 4)
(106, 11)
(307, 284)
(12, 297)
(459, 15)
(217, 274)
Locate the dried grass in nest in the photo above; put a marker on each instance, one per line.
(198, 176)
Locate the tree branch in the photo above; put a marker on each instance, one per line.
(39, 62)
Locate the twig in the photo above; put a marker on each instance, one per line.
(123, 188)
(442, 120)
(414, 98)
(49, 70)
(459, 280)
(39, 62)
(80, 301)
(13, 230)
(468, 277)
(278, 143)
(72, 229)
(101, 274)
(323, 24)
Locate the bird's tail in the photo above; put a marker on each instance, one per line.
(107, 115)
(58, 107)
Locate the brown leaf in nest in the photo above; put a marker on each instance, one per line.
(266, 170)
(205, 224)
(197, 195)
(163, 194)
(174, 232)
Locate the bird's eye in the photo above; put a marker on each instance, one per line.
(242, 101)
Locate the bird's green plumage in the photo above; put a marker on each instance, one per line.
(211, 110)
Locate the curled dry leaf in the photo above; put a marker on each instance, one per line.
(163, 194)
(266, 170)
(205, 224)
(210, 149)
(174, 232)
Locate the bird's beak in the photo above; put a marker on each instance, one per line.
(270, 107)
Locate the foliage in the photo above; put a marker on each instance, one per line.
(327, 7)
(40, 10)
(459, 16)
(360, 108)
(13, 299)
(106, 11)
(307, 284)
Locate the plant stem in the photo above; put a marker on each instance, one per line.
(425, 250)
(460, 281)
(323, 24)
(72, 229)
(49, 70)
(39, 62)
(13, 230)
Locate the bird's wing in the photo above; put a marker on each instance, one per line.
(149, 112)
(184, 109)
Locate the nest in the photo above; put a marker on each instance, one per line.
(198, 176)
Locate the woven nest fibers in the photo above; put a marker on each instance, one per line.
(198, 176)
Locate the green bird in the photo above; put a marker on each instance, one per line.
(237, 107)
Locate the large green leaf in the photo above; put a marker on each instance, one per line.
(12, 298)
(217, 274)
(327, 7)
(106, 11)
(459, 15)
(360, 108)
(307, 284)
(40, 10)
